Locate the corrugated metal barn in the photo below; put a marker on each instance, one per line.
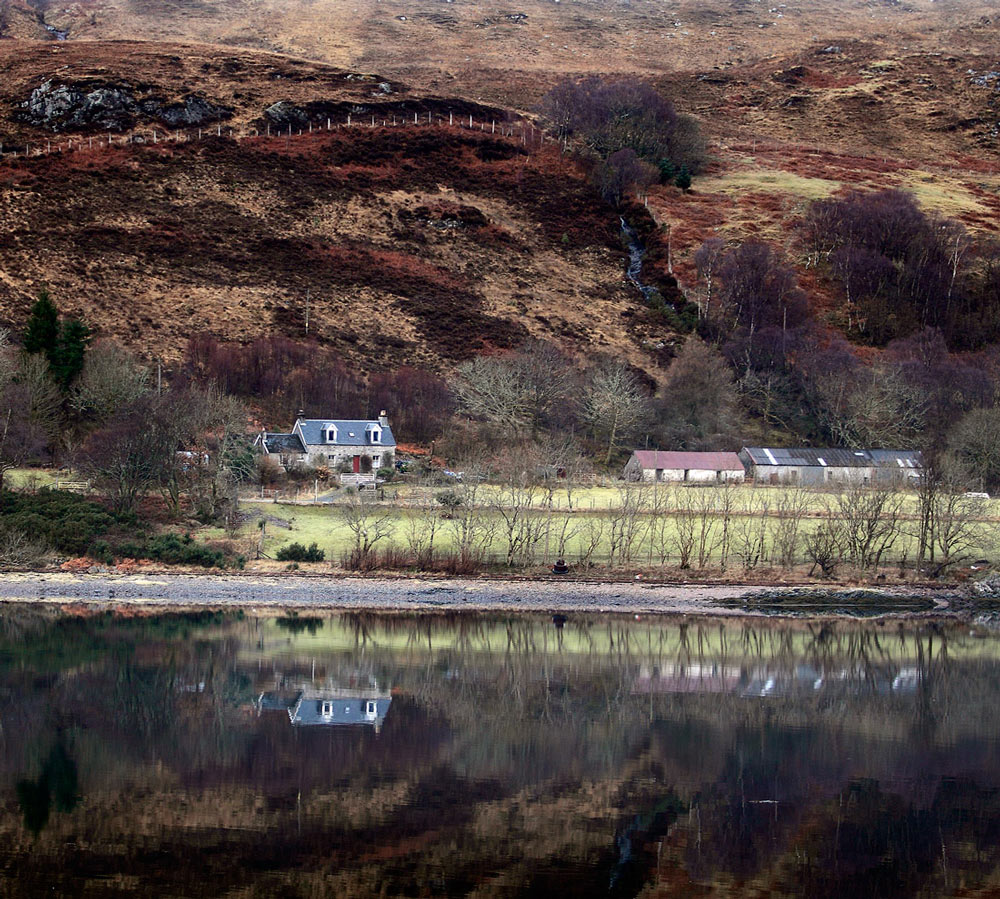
(815, 467)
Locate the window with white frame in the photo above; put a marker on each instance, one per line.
(327, 709)
(371, 708)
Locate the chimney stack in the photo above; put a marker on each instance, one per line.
(383, 418)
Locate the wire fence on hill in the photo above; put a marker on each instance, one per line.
(523, 133)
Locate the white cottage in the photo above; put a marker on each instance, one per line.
(365, 445)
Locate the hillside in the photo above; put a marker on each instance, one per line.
(419, 244)
(429, 244)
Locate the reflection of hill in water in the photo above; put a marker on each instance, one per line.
(515, 757)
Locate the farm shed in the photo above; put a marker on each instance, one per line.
(695, 468)
(811, 467)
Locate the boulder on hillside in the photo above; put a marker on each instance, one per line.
(285, 113)
(111, 107)
(66, 106)
(191, 110)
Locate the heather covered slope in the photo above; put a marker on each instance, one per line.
(416, 245)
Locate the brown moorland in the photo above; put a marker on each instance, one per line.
(799, 102)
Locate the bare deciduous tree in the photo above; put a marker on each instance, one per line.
(870, 518)
(592, 530)
(627, 524)
(824, 547)
(751, 531)
(614, 405)
(369, 524)
(790, 508)
(111, 379)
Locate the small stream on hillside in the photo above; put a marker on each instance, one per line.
(636, 252)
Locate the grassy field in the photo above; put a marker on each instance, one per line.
(757, 526)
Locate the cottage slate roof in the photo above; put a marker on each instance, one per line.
(809, 457)
(350, 432)
(308, 710)
(652, 459)
(283, 443)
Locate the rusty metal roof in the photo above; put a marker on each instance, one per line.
(654, 459)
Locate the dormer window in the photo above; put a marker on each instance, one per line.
(371, 709)
(327, 709)
(374, 434)
(329, 433)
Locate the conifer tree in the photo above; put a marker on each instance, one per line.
(42, 332)
(66, 361)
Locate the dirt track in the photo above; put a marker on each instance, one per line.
(183, 591)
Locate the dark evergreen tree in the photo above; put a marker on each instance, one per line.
(683, 179)
(668, 171)
(42, 332)
(66, 360)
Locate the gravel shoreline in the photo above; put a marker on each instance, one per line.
(414, 594)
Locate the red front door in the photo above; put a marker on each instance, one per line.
(357, 464)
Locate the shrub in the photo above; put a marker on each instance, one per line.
(296, 552)
(174, 550)
(64, 521)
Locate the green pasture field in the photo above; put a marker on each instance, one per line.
(411, 511)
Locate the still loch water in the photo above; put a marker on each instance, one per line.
(483, 755)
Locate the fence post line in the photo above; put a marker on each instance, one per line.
(494, 129)
(348, 120)
(219, 131)
(451, 118)
(470, 119)
(328, 123)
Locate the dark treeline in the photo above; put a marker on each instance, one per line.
(916, 286)
(283, 377)
(900, 270)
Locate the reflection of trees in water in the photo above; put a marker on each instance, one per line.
(56, 785)
(539, 757)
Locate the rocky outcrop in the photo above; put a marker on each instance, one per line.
(283, 113)
(193, 110)
(111, 107)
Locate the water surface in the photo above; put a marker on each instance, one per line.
(366, 754)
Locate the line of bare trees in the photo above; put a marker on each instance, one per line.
(519, 524)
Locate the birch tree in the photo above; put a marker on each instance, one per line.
(614, 405)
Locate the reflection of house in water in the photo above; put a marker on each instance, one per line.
(329, 706)
(715, 677)
(320, 707)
